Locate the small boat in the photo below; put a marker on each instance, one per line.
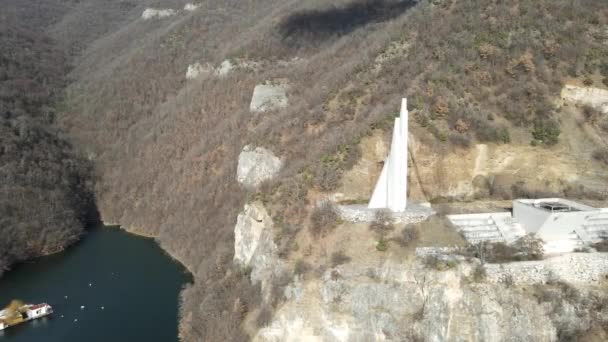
(17, 313)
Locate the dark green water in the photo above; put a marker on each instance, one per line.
(130, 277)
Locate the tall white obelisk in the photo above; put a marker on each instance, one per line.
(391, 189)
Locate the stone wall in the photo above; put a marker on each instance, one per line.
(572, 268)
(414, 213)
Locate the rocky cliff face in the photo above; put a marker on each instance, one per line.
(378, 297)
(256, 165)
(392, 302)
(254, 247)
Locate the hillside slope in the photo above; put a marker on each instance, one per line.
(166, 147)
(46, 187)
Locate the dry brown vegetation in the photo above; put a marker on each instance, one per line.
(166, 148)
(525, 249)
(46, 198)
(567, 301)
(323, 219)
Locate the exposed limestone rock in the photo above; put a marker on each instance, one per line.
(257, 165)
(151, 13)
(197, 69)
(250, 224)
(268, 96)
(254, 246)
(191, 7)
(229, 66)
(224, 69)
(594, 97)
(393, 302)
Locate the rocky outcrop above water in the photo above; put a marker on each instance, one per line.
(251, 231)
(257, 165)
(254, 247)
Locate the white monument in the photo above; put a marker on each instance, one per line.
(391, 189)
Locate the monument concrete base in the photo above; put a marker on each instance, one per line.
(414, 212)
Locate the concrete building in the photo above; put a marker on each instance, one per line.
(562, 224)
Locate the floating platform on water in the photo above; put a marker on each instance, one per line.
(16, 314)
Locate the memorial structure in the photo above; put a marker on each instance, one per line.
(391, 189)
(390, 192)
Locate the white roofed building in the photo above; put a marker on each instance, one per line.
(562, 224)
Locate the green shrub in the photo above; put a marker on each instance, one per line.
(382, 245)
(546, 131)
(504, 136)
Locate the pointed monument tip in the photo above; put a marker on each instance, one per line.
(403, 107)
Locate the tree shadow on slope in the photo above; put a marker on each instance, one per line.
(319, 25)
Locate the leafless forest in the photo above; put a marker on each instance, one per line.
(46, 189)
(165, 149)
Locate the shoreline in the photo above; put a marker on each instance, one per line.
(138, 232)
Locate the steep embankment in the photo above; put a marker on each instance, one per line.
(166, 146)
(46, 194)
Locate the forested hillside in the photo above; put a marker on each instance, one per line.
(166, 147)
(46, 197)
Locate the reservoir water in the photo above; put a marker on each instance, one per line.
(112, 286)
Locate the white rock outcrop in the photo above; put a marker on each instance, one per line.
(152, 13)
(191, 7)
(594, 97)
(224, 68)
(268, 96)
(197, 69)
(256, 165)
(254, 246)
(251, 231)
